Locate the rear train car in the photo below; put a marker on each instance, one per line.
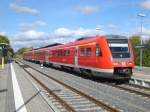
(29, 56)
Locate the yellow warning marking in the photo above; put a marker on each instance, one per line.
(2, 62)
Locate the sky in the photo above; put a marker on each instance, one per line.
(36, 23)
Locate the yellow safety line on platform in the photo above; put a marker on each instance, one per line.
(2, 62)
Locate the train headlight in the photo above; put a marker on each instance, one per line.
(130, 63)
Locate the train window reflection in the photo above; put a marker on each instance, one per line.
(82, 52)
(88, 51)
(98, 50)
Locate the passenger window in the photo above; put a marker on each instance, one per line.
(98, 50)
(68, 52)
(50, 53)
(53, 53)
(88, 51)
(82, 52)
(59, 53)
(64, 52)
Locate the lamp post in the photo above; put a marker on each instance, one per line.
(141, 15)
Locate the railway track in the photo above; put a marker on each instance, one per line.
(139, 90)
(69, 99)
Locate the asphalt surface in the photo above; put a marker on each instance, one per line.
(144, 70)
(31, 97)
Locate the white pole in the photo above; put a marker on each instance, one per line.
(141, 15)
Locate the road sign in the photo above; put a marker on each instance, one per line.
(142, 46)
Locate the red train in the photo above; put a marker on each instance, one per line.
(107, 56)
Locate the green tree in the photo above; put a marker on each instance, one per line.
(135, 40)
(146, 55)
(4, 39)
(9, 51)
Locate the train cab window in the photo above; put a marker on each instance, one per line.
(88, 51)
(98, 50)
(82, 53)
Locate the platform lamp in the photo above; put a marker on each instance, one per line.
(141, 15)
(4, 48)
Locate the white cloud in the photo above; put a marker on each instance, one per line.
(31, 26)
(3, 33)
(23, 9)
(30, 35)
(64, 32)
(60, 35)
(113, 26)
(29, 38)
(146, 4)
(88, 9)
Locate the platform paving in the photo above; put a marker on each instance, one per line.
(31, 97)
(143, 74)
(6, 92)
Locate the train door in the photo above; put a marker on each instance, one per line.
(76, 56)
(47, 56)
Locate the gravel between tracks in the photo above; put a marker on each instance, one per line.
(121, 99)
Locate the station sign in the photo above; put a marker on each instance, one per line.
(141, 46)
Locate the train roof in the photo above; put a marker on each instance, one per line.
(115, 37)
(82, 40)
(111, 36)
(50, 45)
(79, 41)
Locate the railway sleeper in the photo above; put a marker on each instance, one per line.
(79, 103)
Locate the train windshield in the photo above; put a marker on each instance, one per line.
(119, 48)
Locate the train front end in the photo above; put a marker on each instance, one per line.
(121, 56)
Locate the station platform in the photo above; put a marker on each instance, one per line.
(143, 74)
(17, 93)
(141, 77)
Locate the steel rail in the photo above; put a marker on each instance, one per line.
(142, 93)
(90, 98)
(63, 103)
(138, 86)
